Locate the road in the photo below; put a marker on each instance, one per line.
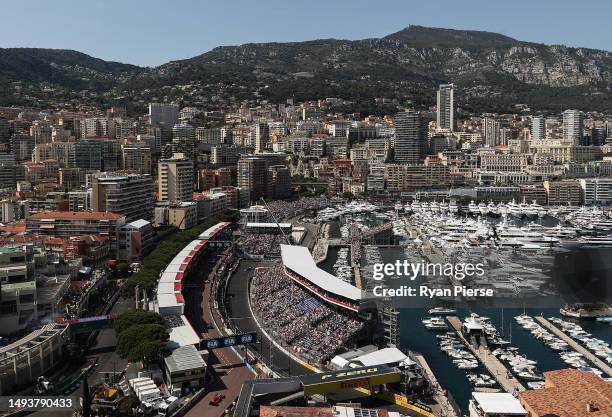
(104, 350)
(228, 369)
(243, 320)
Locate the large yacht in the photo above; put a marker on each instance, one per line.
(473, 208)
(514, 209)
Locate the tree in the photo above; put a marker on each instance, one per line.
(136, 317)
(144, 342)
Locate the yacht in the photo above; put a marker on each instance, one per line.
(453, 207)
(441, 311)
(435, 323)
(482, 208)
(473, 208)
(514, 209)
(492, 209)
(444, 207)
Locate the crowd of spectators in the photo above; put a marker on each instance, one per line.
(261, 243)
(298, 319)
(286, 209)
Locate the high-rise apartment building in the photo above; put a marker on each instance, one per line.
(41, 132)
(130, 195)
(538, 128)
(5, 131)
(262, 137)
(573, 125)
(183, 139)
(446, 107)
(252, 174)
(97, 154)
(175, 179)
(163, 114)
(211, 136)
(137, 157)
(491, 131)
(598, 136)
(411, 137)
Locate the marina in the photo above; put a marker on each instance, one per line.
(576, 346)
(495, 367)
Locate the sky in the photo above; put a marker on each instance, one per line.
(153, 32)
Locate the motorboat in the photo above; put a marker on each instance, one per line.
(441, 311)
(434, 323)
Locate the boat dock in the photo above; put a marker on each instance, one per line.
(588, 355)
(495, 367)
(443, 406)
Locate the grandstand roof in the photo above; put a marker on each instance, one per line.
(299, 260)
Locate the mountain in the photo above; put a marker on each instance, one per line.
(61, 67)
(492, 72)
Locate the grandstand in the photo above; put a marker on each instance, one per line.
(170, 302)
(302, 269)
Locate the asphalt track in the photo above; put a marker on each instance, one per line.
(228, 369)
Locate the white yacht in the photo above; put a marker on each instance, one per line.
(514, 209)
(441, 311)
(434, 323)
(492, 209)
(444, 207)
(473, 208)
(453, 207)
(482, 208)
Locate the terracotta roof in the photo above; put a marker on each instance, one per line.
(80, 215)
(567, 393)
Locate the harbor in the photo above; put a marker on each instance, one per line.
(518, 270)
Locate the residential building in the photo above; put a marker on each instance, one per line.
(563, 192)
(224, 155)
(163, 114)
(538, 128)
(597, 191)
(252, 174)
(262, 137)
(130, 195)
(137, 158)
(446, 107)
(411, 138)
(183, 215)
(175, 179)
(75, 223)
(135, 238)
(573, 126)
(491, 131)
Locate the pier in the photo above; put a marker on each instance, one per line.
(495, 367)
(588, 355)
(443, 406)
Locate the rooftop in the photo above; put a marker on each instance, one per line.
(567, 393)
(299, 260)
(499, 403)
(77, 215)
(184, 358)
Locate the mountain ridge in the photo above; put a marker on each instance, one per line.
(404, 65)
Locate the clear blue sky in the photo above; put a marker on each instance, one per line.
(152, 32)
